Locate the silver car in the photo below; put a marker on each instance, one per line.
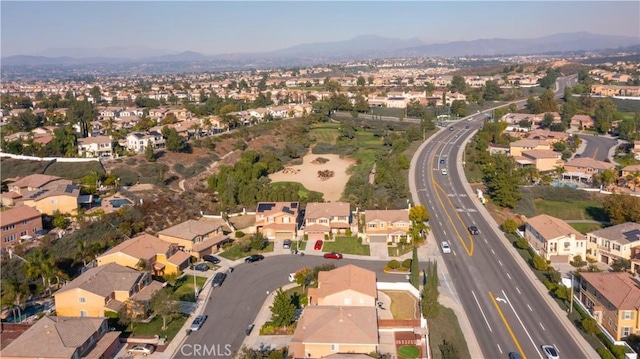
(141, 349)
(197, 323)
(550, 352)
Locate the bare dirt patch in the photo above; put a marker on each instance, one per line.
(307, 175)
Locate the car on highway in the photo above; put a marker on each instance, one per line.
(211, 259)
(141, 349)
(202, 267)
(218, 279)
(197, 323)
(254, 258)
(333, 255)
(550, 352)
(514, 355)
(442, 161)
(444, 171)
(318, 245)
(445, 247)
(451, 128)
(466, 127)
(473, 230)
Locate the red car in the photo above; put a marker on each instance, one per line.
(333, 255)
(318, 245)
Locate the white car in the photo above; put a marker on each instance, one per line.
(292, 277)
(444, 171)
(550, 352)
(445, 247)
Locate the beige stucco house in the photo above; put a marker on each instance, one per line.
(278, 220)
(196, 237)
(387, 226)
(554, 239)
(621, 241)
(516, 148)
(320, 219)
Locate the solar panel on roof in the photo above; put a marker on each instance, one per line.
(294, 204)
(265, 206)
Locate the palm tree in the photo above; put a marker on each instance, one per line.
(634, 178)
(559, 170)
(40, 265)
(84, 251)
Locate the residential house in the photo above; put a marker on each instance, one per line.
(279, 111)
(18, 224)
(396, 101)
(345, 286)
(104, 289)
(584, 168)
(516, 148)
(387, 226)
(110, 112)
(278, 220)
(554, 239)
(612, 90)
(613, 299)
(582, 122)
(126, 122)
(131, 112)
(196, 237)
(65, 338)
(100, 146)
(51, 199)
(147, 252)
(323, 219)
(550, 136)
(137, 141)
(36, 182)
(258, 113)
(630, 176)
(542, 160)
(342, 316)
(621, 241)
(157, 113)
(636, 150)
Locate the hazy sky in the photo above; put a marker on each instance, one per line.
(214, 27)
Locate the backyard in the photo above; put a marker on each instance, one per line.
(346, 245)
(403, 305)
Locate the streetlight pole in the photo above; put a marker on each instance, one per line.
(195, 288)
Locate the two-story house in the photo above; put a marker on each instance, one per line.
(613, 299)
(516, 148)
(554, 239)
(542, 160)
(278, 220)
(49, 200)
(621, 241)
(582, 122)
(630, 177)
(147, 252)
(636, 150)
(387, 226)
(321, 219)
(100, 146)
(104, 289)
(65, 338)
(196, 237)
(341, 317)
(585, 168)
(18, 224)
(137, 141)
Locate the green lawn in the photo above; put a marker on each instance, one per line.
(446, 327)
(586, 227)
(346, 245)
(398, 251)
(574, 210)
(408, 352)
(302, 190)
(154, 327)
(185, 290)
(235, 251)
(325, 132)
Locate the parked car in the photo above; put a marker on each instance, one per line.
(218, 279)
(202, 267)
(333, 255)
(254, 258)
(249, 328)
(445, 247)
(292, 277)
(197, 323)
(474, 230)
(141, 349)
(211, 259)
(286, 244)
(318, 245)
(451, 128)
(550, 352)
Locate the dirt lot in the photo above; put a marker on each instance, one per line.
(307, 175)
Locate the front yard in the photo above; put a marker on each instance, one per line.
(346, 245)
(235, 251)
(184, 287)
(154, 327)
(446, 327)
(397, 251)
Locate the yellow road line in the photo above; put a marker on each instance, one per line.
(464, 244)
(493, 299)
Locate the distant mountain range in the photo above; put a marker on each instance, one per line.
(362, 47)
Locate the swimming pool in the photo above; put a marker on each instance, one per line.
(561, 184)
(25, 313)
(117, 203)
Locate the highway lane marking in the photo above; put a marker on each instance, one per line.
(508, 276)
(500, 349)
(485, 240)
(528, 306)
(518, 289)
(454, 253)
(492, 251)
(468, 249)
(481, 311)
(542, 326)
(504, 320)
(500, 262)
(522, 324)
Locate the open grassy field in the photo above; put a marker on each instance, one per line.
(302, 190)
(325, 132)
(586, 227)
(575, 210)
(446, 327)
(74, 170)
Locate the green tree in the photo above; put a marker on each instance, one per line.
(604, 113)
(458, 84)
(492, 91)
(131, 312)
(540, 263)
(283, 311)
(302, 277)
(448, 350)
(173, 141)
(499, 178)
(430, 292)
(164, 304)
(621, 265)
(622, 208)
(257, 241)
(60, 220)
(149, 155)
(509, 225)
(590, 326)
(40, 265)
(96, 94)
(415, 268)
(361, 81)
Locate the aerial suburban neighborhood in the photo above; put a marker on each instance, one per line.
(370, 198)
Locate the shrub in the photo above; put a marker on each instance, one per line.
(393, 264)
(406, 264)
(509, 226)
(522, 243)
(325, 148)
(540, 263)
(326, 237)
(605, 353)
(348, 234)
(239, 234)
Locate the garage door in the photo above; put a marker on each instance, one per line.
(314, 236)
(378, 239)
(284, 235)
